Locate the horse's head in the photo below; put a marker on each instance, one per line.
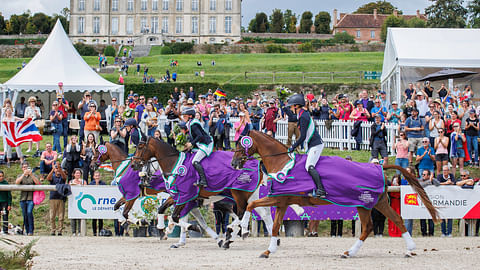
(100, 155)
(244, 150)
(143, 154)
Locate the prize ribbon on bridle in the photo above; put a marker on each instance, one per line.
(246, 142)
(102, 149)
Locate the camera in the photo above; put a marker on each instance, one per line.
(427, 82)
(362, 114)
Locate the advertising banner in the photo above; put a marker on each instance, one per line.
(451, 201)
(97, 202)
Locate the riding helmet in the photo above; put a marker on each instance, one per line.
(188, 111)
(296, 99)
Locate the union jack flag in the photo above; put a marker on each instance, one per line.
(19, 132)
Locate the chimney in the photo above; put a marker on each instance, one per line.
(418, 13)
(395, 13)
(375, 14)
(335, 20)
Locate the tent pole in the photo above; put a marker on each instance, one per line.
(399, 85)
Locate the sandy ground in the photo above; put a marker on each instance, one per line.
(294, 253)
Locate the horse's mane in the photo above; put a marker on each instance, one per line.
(269, 138)
(166, 148)
(117, 147)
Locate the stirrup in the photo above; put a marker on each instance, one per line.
(319, 193)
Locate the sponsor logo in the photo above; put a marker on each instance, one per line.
(411, 199)
(99, 204)
(244, 178)
(366, 197)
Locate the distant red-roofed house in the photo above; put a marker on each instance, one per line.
(365, 27)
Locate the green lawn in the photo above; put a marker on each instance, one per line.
(232, 67)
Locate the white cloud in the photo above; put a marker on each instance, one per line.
(48, 7)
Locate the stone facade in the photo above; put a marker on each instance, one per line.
(293, 48)
(155, 21)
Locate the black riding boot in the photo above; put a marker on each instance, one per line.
(201, 173)
(320, 192)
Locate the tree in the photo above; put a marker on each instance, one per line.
(382, 7)
(19, 23)
(306, 22)
(474, 10)
(8, 27)
(277, 21)
(446, 14)
(416, 23)
(2, 25)
(31, 29)
(259, 24)
(290, 21)
(252, 26)
(391, 21)
(322, 23)
(41, 22)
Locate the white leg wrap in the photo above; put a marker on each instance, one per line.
(273, 244)
(298, 210)
(355, 248)
(161, 221)
(266, 215)
(245, 221)
(183, 237)
(235, 222)
(236, 229)
(201, 221)
(409, 241)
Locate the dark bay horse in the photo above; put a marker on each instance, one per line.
(274, 156)
(167, 157)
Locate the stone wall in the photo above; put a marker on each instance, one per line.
(287, 35)
(294, 48)
(14, 51)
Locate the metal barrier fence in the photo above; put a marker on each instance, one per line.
(281, 76)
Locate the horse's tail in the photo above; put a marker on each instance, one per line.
(418, 189)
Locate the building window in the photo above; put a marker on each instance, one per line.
(212, 25)
(129, 25)
(228, 4)
(165, 25)
(154, 4)
(130, 5)
(114, 25)
(372, 34)
(114, 5)
(358, 33)
(178, 25)
(194, 5)
(96, 25)
(179, 5)
(96, 5)
(154, 25)
(144, 4)
(228, 25)
(81, 5)
(194, 25)
(213, 4)
(143, 25)
(165, 5)
(81, 25)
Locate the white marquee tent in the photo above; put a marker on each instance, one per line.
(58, 61)
(412, 53)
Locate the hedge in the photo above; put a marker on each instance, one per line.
(109, 51)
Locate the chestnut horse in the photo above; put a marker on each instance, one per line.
(274, 156)
(167, 156)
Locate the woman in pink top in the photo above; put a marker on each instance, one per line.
(401, 147)
(204, 108)
(441, 150)
(240, 126)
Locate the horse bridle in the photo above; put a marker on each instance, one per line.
(249, 157)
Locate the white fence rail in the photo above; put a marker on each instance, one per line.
(338, 136)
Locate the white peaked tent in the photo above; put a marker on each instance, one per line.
(411, 53)
(58, 61)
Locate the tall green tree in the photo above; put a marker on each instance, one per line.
(322, 23)
(446, 14)
(306, 22)
(2, 25)
(31, 28)
(290, 21)
(474, 10)
(416, 23)
(41, 22)
(382, 7)
(252, 26)
(277, 21)
(19, 23)
(259, 24)
(391, 21)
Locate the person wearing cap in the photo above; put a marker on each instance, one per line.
(271, 118)
(394, 113)
(422, 104)
(56, 117)
(63, 107)
(378, 139)
(83, 108)
(471, 130)
(199, 139)
(232, 109)
(33, 112)
(385, 102)
(139, 109)
(311, 141)
(92, 122)
(133, 133)
(414, 127)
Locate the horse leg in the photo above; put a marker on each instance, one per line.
(127, 208)
(119, 203)
(264, 212)
(241, 199)
(232, 231)
(201, 221)
(183, 233)
(367, 227)
(263, 202)
(274, 241)
(384, 207)
(161, 217)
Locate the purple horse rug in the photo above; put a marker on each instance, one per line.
(130, 180)
(218, 171)
(347, 183)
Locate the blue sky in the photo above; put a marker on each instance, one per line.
(249, 7)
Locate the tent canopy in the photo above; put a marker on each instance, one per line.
(58, 61)
(427, 48)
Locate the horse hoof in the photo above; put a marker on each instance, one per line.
(245, 235)
(278, 242)
(173, 246)
(263, 255)
(220, 243)
(161, 234)
(345, 255)
(226, 245)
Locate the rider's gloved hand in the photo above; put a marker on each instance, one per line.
(291, 149)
